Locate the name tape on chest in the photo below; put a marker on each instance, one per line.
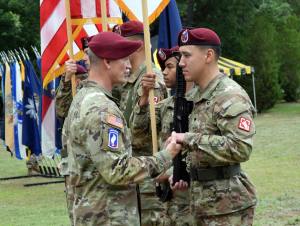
(115, 121)
(244, 124)
(113, 138)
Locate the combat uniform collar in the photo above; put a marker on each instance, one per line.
(206, 93)
(108, 94)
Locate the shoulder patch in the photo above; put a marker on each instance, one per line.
(114, 121)
(244, 124)
(113, 138)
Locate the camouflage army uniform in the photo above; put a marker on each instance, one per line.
(220, 134)
(101, 168)
(129, 94)
(176, 211)
(62, 104)
(63, 100)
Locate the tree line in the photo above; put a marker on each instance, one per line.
(262, 33)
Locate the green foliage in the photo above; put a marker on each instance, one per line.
(19, 24)
(261, 33)
(230, 21)
(295, 6)
(263, 56)
(289, 38)
(288, 50)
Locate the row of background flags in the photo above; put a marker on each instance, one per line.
(21, 93)
(30, 121)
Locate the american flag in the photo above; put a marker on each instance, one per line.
(86, 21)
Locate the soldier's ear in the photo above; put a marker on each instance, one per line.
(209, 55)
(107, 63)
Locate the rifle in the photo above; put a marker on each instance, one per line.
(180, 124)
(182, 110)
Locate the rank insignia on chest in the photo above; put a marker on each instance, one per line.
(244, 124)
(155, 100)
(113, 138)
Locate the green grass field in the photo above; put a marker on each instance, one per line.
(274, 168)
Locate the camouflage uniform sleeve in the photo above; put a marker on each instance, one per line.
(233, 143)
(110, 149)
(63, 98)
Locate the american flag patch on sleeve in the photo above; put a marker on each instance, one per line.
(115, 121)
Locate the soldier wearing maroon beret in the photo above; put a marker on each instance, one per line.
(176, 211)
(220, 136)
(102, 170)
(62, 104)
(129, 95)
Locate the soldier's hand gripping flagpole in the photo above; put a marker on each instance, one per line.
(103, 15)
(70, 41)
(149, 70)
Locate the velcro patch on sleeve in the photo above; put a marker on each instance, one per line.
(114, 121)
(244, 124)
(113, 138)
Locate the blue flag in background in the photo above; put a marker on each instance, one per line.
(39, 63)
(13, 73)
(169, 26)
(31, 100)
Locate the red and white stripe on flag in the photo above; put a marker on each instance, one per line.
(86, 21)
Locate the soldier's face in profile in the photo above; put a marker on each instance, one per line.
(192, 62)
(170, 72)
(86, 59)
(128, 69)
(119, 69)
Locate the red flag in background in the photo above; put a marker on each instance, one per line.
(86, 21)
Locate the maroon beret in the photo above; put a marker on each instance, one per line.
(164, 54)
(80, 69)
(198, 36)
(129, 28)
(84, 43)
(109, 45)
(89, 38)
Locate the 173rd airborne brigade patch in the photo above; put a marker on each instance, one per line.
(113, 141)
(113, 134)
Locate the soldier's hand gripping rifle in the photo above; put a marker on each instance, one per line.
(180, 124)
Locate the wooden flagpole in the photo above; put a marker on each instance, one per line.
(103, 15)
(70, 41)
(149, 70)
